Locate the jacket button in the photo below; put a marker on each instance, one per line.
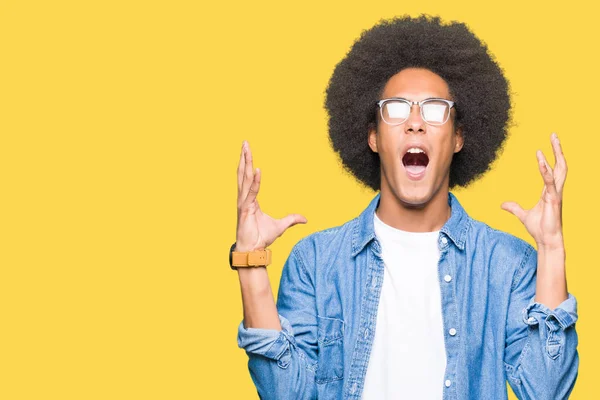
(448, 383)
(447, 278)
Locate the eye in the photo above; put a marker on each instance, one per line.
(396, 110)
(435, 111)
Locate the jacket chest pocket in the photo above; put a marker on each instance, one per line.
(331, 350)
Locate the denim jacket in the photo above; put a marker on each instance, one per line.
(494, 331)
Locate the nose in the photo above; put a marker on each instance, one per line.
(415, 122)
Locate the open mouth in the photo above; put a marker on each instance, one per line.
(415, 162)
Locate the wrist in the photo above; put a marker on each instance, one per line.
(245, 247)
(555, 244)
(246, 256)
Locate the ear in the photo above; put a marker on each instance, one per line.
(373, 139)
(460, 140)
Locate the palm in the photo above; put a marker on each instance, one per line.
(260, 228)
(541, 221)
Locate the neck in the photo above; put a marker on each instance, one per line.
(427, 217)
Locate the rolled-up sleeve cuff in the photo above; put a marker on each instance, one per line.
(270, 343)
(565, 314)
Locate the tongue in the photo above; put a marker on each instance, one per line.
(415, 169)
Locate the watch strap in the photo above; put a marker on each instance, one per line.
(255, 258)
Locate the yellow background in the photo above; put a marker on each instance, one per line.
(121, 124)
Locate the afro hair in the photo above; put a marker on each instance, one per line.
(452, 51)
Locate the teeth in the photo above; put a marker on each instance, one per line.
(415, 150)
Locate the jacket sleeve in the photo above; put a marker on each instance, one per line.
(540, 357)
(282, 363)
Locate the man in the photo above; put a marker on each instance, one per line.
(413, 298)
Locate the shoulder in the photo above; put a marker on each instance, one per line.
(502, 249)
(324, 243)
(328, 236)
(494, 239)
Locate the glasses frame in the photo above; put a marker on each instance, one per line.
(382, 102)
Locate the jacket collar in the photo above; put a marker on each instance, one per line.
(455, 228)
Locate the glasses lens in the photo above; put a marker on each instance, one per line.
(435, 112)
(395, 112)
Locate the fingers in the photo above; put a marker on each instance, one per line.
(241, 167)
(514, 209)
(547, 174)
(254, 187)
(248, 174)
(560, 163)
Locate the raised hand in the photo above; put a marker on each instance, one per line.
(544, 220)
(255, 229)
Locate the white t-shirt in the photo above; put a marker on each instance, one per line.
(408, 358)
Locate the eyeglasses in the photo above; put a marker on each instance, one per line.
(434, 111)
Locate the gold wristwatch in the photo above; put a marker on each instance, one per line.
(256, 258)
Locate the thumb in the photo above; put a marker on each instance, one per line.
(514, 209)
(291, 220)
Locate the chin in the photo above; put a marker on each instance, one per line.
(414, 197)
(412, 192)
